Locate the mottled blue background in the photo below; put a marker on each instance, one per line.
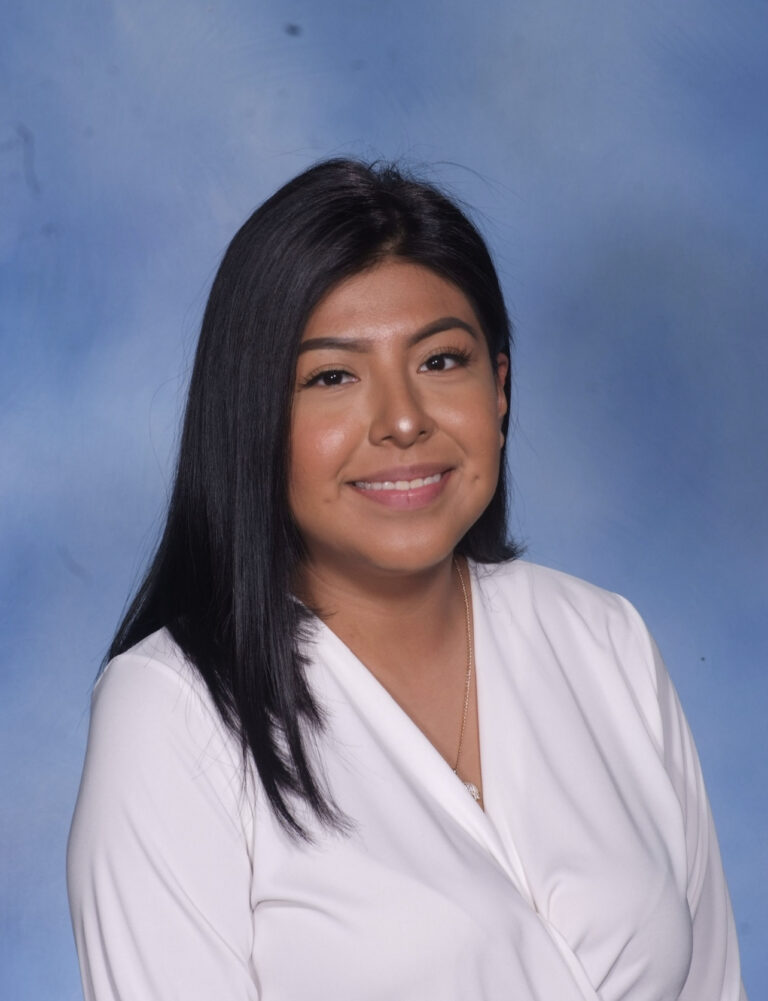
(615, 154)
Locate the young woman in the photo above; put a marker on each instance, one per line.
(347, 744)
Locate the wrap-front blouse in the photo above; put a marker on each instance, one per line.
(592, 872)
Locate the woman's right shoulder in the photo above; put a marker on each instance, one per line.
(152, 720)
(153, 678)
(156, 660)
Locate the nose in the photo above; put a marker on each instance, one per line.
(399, 415)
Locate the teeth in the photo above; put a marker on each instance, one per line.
(399, 484)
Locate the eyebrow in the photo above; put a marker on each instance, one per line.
(362, 344)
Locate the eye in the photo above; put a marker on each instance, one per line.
(443, 361)
(328, 377)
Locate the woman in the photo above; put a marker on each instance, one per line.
(347, 745)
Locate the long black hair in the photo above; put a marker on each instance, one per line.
(221, 578)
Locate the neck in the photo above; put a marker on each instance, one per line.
(392, 621)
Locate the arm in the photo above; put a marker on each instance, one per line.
(714, 972)
(158, 868)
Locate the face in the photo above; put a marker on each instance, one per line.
(396, 423)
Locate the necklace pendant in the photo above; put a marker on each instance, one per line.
(473, 791)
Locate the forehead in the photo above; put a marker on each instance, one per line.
(393, 295)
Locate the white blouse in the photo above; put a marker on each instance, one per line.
(592, 873)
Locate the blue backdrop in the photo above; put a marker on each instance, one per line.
(615, 157)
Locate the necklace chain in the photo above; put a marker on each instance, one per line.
(475, 792)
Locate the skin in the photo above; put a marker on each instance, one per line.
(394, 379)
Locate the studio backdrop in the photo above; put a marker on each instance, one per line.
(614, 156)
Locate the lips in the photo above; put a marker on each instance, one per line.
(406, 487)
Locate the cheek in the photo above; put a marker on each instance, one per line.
(477, 426)
(319, 450)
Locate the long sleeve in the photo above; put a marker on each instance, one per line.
(158, 868)
(714, 971)
(593, 871)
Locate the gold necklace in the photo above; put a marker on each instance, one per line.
(471, 787)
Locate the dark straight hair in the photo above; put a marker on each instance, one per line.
(222, 576)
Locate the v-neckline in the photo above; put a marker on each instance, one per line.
(416, 754)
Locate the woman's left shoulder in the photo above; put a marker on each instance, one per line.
(588, 629)
(553, 595)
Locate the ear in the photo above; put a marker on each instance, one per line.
(502, 370)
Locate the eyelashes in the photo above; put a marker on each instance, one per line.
(444, 360)
(327, 377)
(458, 358)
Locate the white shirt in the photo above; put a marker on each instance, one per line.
(594, 872)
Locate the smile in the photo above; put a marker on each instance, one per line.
(404, 495)
(399, 484)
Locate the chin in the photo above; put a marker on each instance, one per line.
(417, 545)
(409, 556)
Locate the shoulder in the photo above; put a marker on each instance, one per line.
(151, 691)
(554, 596)
(154, 667)
(154, 732)
(595, 636)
